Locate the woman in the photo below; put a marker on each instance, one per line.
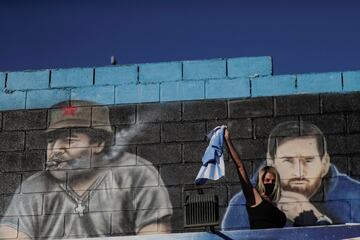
(260, 201)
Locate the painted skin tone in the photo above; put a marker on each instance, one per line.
(301, 168)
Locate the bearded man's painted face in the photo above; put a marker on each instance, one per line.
(300, 165)
(69, 152)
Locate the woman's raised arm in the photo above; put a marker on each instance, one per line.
(251, 195)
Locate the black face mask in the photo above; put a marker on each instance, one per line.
(269, 188)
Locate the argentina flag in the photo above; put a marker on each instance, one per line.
(213, 166)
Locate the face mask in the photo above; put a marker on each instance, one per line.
(269, 188)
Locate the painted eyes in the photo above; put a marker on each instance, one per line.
(292, 160)
(68, 140)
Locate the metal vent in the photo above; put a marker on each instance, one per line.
(201, 210)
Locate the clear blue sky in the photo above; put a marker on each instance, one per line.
(301, 36)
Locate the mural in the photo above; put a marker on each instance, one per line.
(298, 151)
(85, 180)
(80, 169)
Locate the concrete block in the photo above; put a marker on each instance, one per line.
(160, 72)
(124, 114)
(51, 208)
(12, 141)
(201, 110)
(2, 80)
(12, 100)
(353, 122)
(352, 142)
(174, 174)
(175, 195)
(240, 128)
(341, 163)
(46, 98)
(152, 177)
(273, 86)
(264, 126)
(341, 102)
(28, 80)
(159, 112)
(319, 82)
(251, 148)
(119, 217)
(351, 81)
(97, 199)
(228, 88)
(99, 94)
(180, 91)
(337, 144)
(116, 75)
(297, 104)
(25, 120)
(354, 165)
(258, 107)
(4, 203)
(249, 66)
(179, 132)
(194, 151)
(72, 77)
(9, 183)
(11, 161)
(36, 139)
(160, 153)
(138, 134)
(204, 69)
(328, 123)
(138, 93)
(232, 176)
(34, 161)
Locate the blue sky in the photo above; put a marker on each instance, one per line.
(301, 36)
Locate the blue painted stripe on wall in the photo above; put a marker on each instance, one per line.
(2, 80)
(46, 98)
(137, 93)
(116, 75)
(28, 80)
(249, 67)
(160, 72)
(319, 82)
(351, 81)
(203, 79)
(228, 88)
(99, 94)
(273, 85)
(73, 77)
(196, 70)
(178, 91)
(12, 101)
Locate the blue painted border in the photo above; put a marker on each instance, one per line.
(246, 77)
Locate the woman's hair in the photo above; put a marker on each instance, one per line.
(275, 195)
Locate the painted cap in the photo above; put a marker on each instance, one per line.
(79, 113)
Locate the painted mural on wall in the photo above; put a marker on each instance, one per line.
(86, 180)
(84, 170)
(298, 150)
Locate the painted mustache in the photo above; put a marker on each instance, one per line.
(60, 164)
(298, 180)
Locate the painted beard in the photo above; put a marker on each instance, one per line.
(307, 188)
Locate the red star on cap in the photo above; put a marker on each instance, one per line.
(69, 111)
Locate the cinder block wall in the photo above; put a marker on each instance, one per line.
(177, 103)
